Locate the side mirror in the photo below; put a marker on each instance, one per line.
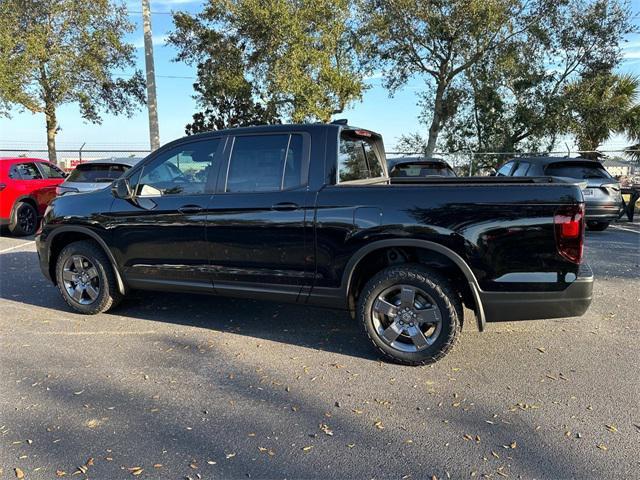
(121, 189)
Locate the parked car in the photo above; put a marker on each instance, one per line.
(419, 167)
(306, 214)
(603, 200)
(27, 185)
(95, 174)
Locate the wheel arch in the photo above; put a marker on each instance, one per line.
(63, 236)
(25, 199)
(471, 287)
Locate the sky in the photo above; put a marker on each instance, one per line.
(391, 117)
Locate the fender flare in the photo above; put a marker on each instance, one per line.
(98, 239)
(428, 245)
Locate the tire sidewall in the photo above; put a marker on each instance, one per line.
(104, 297)
(396, 276)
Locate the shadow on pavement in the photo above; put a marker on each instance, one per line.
(140, 423)
(317, 328)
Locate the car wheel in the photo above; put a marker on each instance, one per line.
(86, 278)
(411, 314)
(597, 226)
(24, 220)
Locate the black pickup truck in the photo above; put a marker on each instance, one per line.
(307, 214)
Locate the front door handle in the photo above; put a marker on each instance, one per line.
(284, 206)
(186, 209)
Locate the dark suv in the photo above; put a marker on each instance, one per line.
(602, 197)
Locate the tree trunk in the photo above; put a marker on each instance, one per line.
(436, 121)
(52, 128)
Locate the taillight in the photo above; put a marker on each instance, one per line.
(569, 228)
(2, 186)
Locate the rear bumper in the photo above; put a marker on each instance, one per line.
(602, 212)
(570, 302)
(4, 222)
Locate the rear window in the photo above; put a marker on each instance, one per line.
(578, 170)
(358, 156)
(422, 170)
(97, 173)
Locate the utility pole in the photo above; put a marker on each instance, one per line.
(152, 101)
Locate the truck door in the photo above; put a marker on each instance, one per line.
(259, 222)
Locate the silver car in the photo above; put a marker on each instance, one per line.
(95, 174)
(602, 196)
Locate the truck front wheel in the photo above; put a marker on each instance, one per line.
(411, 314)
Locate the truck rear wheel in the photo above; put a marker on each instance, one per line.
(597, 226)
(411, 314)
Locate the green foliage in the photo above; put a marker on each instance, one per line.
(54, 52)
(271, 59)
(439, 41)
(494, 71)
(600, 104)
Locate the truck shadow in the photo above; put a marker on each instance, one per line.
(323, 329)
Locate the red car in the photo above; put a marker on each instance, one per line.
(27, 185)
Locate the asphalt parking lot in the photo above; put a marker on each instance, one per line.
(176, 386)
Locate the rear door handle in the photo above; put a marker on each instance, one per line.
(190, 209)
(284, 206)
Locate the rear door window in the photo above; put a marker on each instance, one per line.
(96, 173)
(358, 157)
(579, 170)
(266, 163)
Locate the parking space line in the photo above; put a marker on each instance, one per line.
(625, 229)
(99, 332)
(16, 246)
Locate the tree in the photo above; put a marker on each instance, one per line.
(600, 104)
(517, 99)
(54, 52)
(223, 91)
(281, 58)
(439, 41)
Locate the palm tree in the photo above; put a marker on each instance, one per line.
(601, 104)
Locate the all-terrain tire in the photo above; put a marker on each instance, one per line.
(108, 295)
(443, 295)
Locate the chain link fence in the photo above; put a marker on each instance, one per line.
(464, 163)
(67, 159)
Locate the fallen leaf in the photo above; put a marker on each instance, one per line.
(466, 436)
(602, 447)
(19, 473)
(541, 349)
(211, 462)
(307, 448)
(351, 445)
(325, 428)
(157, 465)
(60, 473)
(230, 455)
(611, 428)
(378, 424)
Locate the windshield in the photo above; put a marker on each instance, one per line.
(97, 173)
(582, 170)
(421, 170)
